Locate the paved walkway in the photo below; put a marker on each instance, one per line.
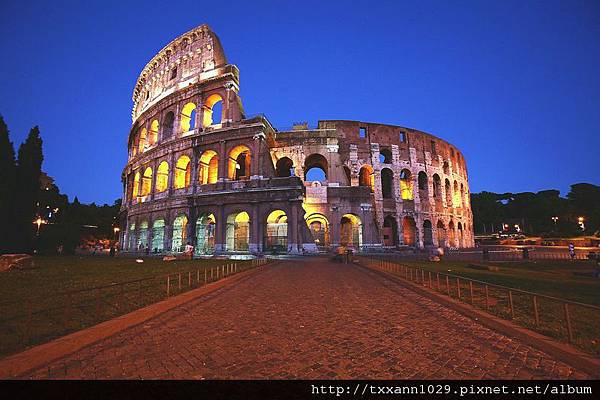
(309, 319)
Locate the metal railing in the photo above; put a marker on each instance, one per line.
(44, 319)
(575, 322)
(491, 255)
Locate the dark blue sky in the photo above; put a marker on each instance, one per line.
(514, 84)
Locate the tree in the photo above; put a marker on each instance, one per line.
(7, 189)
(29, 169)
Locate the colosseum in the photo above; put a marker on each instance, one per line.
(201, 171)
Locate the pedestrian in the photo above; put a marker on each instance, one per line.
(112, 251)
(572, 251)
(189, 250)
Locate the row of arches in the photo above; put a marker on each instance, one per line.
(447, 236)
(147, 137)
(238, 167)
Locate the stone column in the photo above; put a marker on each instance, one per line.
(255, 244)
(220, 230)
(223, 161)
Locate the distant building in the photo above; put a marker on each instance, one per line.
(202, 171)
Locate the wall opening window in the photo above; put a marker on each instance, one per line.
(168, 125)
(423, 181)
(147, 182)
(213, 110)
(162, 177)
(174, 73)
(179, 234)
(427, 233)
(284, 167)
(433, 151)
(188, 117)
(142, 140)
(385, 156)
(318, 225)
(136, 185)
(437, 188)
(409, 231)
(366, 177)
(362, 132)
(154, 132)
(158, 235)
(205, 234)
(402, 137)
(315, 168)
(239, 163)
(183, 172)
(208, 171)
(351, 231)
(238, 232)
(276, 232)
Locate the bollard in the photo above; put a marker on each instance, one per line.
(447, 285)
(471, 291)
(487, 307)
(98, 301)
(179, 281)
(535, 311)
(510, 304)
(458, 287)
(568, 320)
(190, 279)
(430, 282)
(198, 277)
(204, 275)
(168, 285)
(438, 280)
(140, 292)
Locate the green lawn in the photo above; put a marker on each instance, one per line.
(561, 279)
(53, 299)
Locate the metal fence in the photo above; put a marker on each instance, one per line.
(494, 255)
(43, 319)
(577, 323)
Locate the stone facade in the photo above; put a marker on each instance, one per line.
(232, 183)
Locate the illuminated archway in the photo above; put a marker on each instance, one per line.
(239, 163)
(158, 235)
(147, 182)
(451, 235)
(390, 231)
(238, 232)
(456, 199)
(276, 231)
(188, 117)
(154, 131)
(136, 185)
(131, 237)
(162, 177)
(406, 185)
(179, 234)
(318, 225)
(441, 234)
(448, 189)
(208, 108)
(142, 242)
(283, 167)
(142, 141)
(183, 172)
(208, 171)
(350, 231)
(366, 177)
(461, 239)
(205, 234)
(409, 231)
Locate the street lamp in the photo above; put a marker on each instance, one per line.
(555, 219)
(39, 221)
(116, 231)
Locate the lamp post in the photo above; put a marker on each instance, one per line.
(555, 219)
(580, 220)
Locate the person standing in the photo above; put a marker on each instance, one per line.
(572, 251)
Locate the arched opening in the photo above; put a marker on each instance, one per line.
(423, 186)
(409, 231)
(136, 185)
(350, 231)
(366, 177)
(132, 245)
(461, 242)
(162, 177)
(390, 231)
(212, 110)
(179, 234)
(318, 225)
(284, 167)
(154, 131)
(183, 172)
(406, 185)
(188, 117)
(441, 234)
(315, 168)
(239, 163)
(456, 199)
(446, 168)
(451, 235)
(387, 179)
(238, 232)
(205, 234)
(158, 235)
(427, 233)
(437, 188)
(385, 156)
(448, 190)
(462, 195)
(142, 141)
(168, 125)
(276, 235)
(147, 182)
(208, 171)
(143, 236)
(348, 175)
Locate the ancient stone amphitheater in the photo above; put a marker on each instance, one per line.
(201, 171)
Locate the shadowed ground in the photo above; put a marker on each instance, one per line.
(310, 319)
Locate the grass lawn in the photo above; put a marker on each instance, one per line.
(569, 280)
(34, 307)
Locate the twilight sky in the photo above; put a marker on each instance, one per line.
(513, 84)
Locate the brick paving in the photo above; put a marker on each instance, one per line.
(309, 319)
